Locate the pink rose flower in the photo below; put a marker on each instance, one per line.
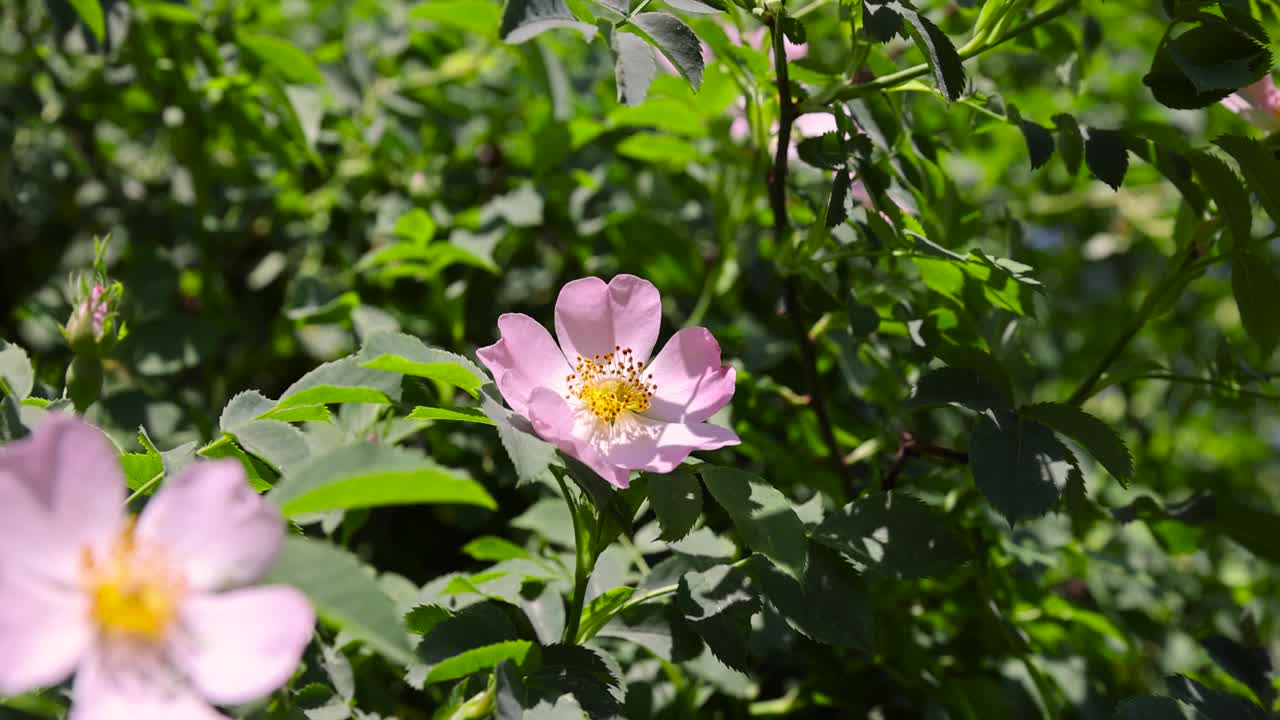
(142, 610)
(595, 396)
(1259, 103)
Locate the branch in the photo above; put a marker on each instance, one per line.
(884, 82)
(911, 448)
(781, 231)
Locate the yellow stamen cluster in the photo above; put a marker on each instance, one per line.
(131, 593)
(611, 384)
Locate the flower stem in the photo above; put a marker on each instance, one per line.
(855, 90)
(477, 706)
(144, 487)
(585, 554)
(782, 231)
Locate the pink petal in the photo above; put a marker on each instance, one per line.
(131, 686)
(44, 631)
(656, 446)
(557, 423)
(61, 491)
(214, 526)
(526, 357)
(592, 318)
(691, 383)
(242, 645)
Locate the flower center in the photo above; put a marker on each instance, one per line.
(611, 384)
(132, 593)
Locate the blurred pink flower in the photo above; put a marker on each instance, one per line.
(594, 396)
(142, 612)
(1259, 103)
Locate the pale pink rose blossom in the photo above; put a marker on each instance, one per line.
(595, 395)
(1259, 103)
(150, 614)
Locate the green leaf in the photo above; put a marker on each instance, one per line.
(371, 475)
(280, 444)
(825, 151)
(1094, 435)
(664, 150)
(1202, 65)
(961, 386)
(1213, 704)
(948, 69)
(1254, 529)
(1257, 292)
(343, 594)
(173, 460)
(286, 58)
(719, 603)
(524, 19)
(832, 606)
(836, 209)
(423, 618)
(529, 453)
(761, 513)
(493, 549)
(578, 671)
(90, 11)
(634, 67)
(893, 534)
(407, 355)
(476, 16)
(417, 225)
(16, 375)
(674, 39)
(341, 381)
(140, 468)
(1155, 707)
(509, 693)
(1018, 465)
(600, 611)
(1260, 168)
(477, 659)
(676, 498)
(1227, 191)
(463, 414)
(880, 24)
(1107, 155)
(1039, 142)
(1070, 142)
(710, 7)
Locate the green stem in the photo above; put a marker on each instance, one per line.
(477, 706)
(855, 90)
(585, 554)
(144, 487)
(808, 8)
(214, 445)
(1208, 382)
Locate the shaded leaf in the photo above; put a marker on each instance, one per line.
(1018, 465)
(1070, 142)
(1227, 191)
(893, 534)
(948, 69)
(1093, 434)
(1107, 155)
(959, 385)
(634, 67)
(674, 39)
(761, 513)
(524, 19)
(1257, 292)
(1260, 168)
(676, 498)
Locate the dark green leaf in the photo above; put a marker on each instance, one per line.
(948, 69)
(1070, 142)
(836, 212)
(579, 671)
(880, 24)
(1213, 704)
(1039, 142)
(1107, 156)
(1252, 528)
(524, 19)
(1227, 191)
(719, 604)
(1206, 63)
(825, 151)
(960, 385)
(710, 7)
(510, 695)
(1155, 707)
(1257, 292)
(1260, 168)
(673, 38)
(1018, 465)
(761, 513)
(893, 534)
(677, 499)
(1094, 435)
(423, 618)
(1250, 664)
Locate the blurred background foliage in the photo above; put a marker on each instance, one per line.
(282, 180)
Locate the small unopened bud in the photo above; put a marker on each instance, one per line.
(93, 328)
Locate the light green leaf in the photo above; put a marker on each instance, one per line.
(370, 475)
(600, 611)
(477, 16)
(286, 58)
(344, 594)
(490, 548)
(523, 19)
(140, 468)
(16, 376)
(407, 355)
(529, 453)
(762, 514)
(477, 659)
(472, 415)
(341, 381)
(90, 11)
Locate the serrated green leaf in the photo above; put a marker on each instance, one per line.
(761, 513)
(674, 39)
(893, 534)
(959, 385)
(423, 618)
(16, 375)
(939, 51)
(634, 67)
(1070, 142)
(477, 659)
(343, 594)
(140, 468)
(1257, 291)
(407, 355)
(524, 19)
(1018, 465)
(1094, 435)
(464, 414)
(1260, 168)
(1227, 191)
(1107, 155)
(1213, 704)
(371, 475)
(1155, 707)
(676, 498)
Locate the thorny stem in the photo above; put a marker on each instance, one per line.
(781, 230)
(910, 448)
(855, 90)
